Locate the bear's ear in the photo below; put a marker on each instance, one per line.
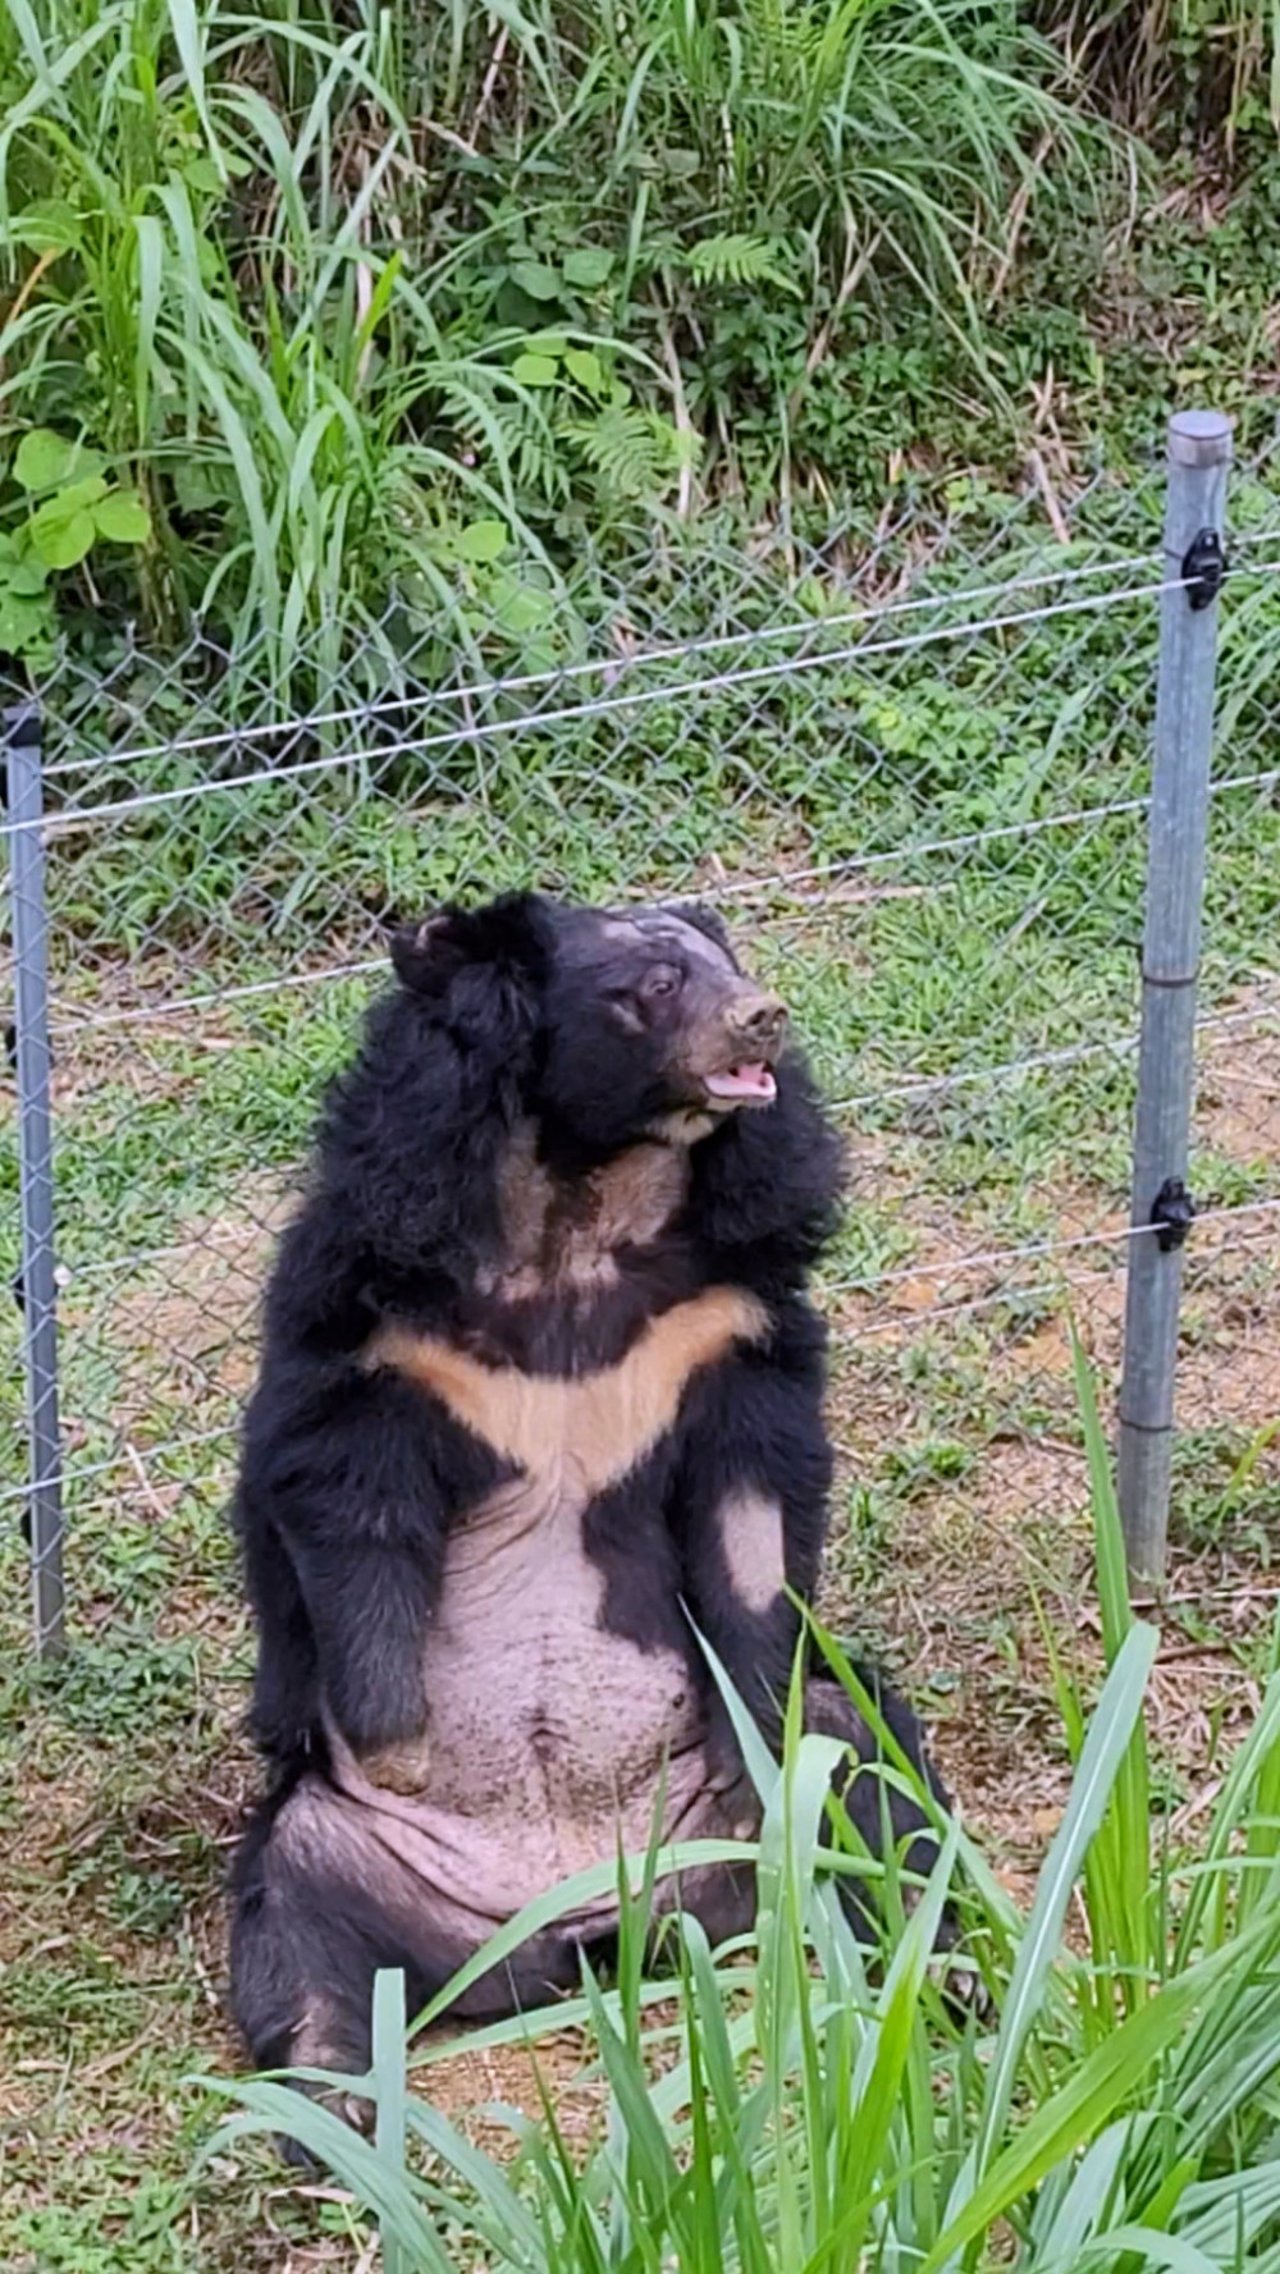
(708, 921)
(509, 933)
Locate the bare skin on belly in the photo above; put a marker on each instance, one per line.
(547, 1734)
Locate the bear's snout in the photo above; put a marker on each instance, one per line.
(758, 1022)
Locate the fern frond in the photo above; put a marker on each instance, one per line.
(634, 452)
(736, 258)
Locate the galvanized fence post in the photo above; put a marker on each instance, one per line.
(38, 1286)
(1198, 462)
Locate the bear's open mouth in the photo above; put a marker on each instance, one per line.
(751, 1083)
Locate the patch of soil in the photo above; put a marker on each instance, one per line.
(1238, 1089)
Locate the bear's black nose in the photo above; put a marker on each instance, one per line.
(760, 1020)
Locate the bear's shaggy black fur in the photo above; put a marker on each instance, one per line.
(541, 1395)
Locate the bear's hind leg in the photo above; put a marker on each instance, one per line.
(870, 1801)
(829, 1709)
(310, 1927)
(320, 1902)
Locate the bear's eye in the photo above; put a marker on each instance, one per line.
(662, 981)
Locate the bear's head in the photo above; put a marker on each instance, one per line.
(623, 1022)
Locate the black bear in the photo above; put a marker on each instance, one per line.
(540, 1402)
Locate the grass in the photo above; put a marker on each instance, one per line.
(795, 2111)
(1164, 65)
(756, 409)
(380, 329)
(962, 1462)
(379, 314)
(128, 1772)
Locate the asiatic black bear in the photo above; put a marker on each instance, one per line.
(541, 1395)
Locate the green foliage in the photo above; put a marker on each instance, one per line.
(1117, 2108)
(68, 507)
(308, 338)
(322, 293)
(26, 604)
(72, 504)
(738, 260)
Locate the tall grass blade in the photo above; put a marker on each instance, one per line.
(1109, 1735)
(1118, 1882)
(390, 2092)
(274, 2110)
(1088, 2097)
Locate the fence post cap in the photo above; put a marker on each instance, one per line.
(1200, 438)
(21, 722)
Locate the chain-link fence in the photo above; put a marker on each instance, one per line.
(911, 762)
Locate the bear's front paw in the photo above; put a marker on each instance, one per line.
(737, 1801)
(403, 1768)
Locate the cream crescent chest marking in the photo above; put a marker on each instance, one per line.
(598, 1427)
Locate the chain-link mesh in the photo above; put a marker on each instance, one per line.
(911, 764)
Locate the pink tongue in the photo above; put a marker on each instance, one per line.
(750, 1081)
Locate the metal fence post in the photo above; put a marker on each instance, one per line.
(1199, 459)
(38, 1285)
